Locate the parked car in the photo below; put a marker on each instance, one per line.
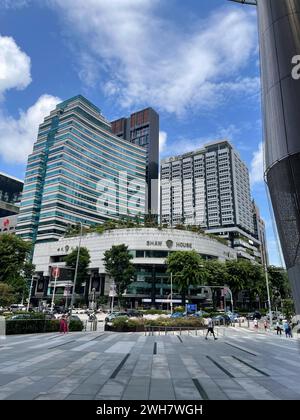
(253, 315)
(114, 315)
(74, 318)
(17, 307)
(177, 315)
(21, 316)
(134, 313)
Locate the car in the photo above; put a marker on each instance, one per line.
(17, 307)
(21, 316)
(253, 315)
(74, 318)
(221, 319)
(177, 315)
(134, 313)
(114, 315)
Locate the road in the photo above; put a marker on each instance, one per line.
(242, 364)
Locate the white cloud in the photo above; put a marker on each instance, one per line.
(18, 135)
(13, 4)
(182, 144)
(162, 141)
(257, 166)
(14, 66)
(146, 58)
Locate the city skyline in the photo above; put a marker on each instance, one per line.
(196, 90)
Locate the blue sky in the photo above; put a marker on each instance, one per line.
(195, 62)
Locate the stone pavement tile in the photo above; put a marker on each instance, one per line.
(23, 395)
(259, 392)
(161, 389)
(279, 390)
(135, 393)
(80, 397)
(86, 389)
(111, 388)
(185, 389)
(233, 390)
(52, 396)
(212, 389)
(5, 378)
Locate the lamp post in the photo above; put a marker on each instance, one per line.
(76, 271)
(93, 298)
(30, 291)
(112, 293)
(268, 293)
(56, 273)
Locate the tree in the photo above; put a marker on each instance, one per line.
(83, 264)
(14, 254)
(288, 308)
(117, 262)
(244, 275)
(6, 295)
(187, 270)
(15, 268)
(279, 285)
(215, 275)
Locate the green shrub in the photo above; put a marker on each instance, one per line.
(155, 312)
(124, 324)
(30, 326)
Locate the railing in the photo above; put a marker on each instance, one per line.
(165, 330)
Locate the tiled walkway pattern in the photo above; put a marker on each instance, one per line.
(132, 366)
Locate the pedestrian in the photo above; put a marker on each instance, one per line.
(290, 331)
(255, 324)
(266, 325)
(210, 328)
(278, 328)
(62, 324)
(286, 329)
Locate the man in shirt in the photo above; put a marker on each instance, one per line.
(210, 328)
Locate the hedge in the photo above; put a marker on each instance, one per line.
(124, 324)
(30, 326)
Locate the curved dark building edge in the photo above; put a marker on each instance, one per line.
(279, 34)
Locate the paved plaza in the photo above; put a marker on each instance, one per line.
(241, 364)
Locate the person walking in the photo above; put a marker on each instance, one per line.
(210, 328)
(289, 330)
(286, 329)
(255, 324)
(63, 324)
(278, 328)
(266, 325)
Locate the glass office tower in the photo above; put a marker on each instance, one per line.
(279, 37)
(279, 28)
(79, 172)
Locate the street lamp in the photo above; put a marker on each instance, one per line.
(76, 270)
(93, 298)
(33, 277)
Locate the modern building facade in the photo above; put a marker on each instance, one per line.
(10, 195)
(279, 25)
(210, 188)
(149, 248)
(8, 224)
(142, 128)
(79, 172)
(260, 234)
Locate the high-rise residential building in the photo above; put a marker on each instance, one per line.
(79, 172)
(10, 195)
(142, 128)
(210, 188)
